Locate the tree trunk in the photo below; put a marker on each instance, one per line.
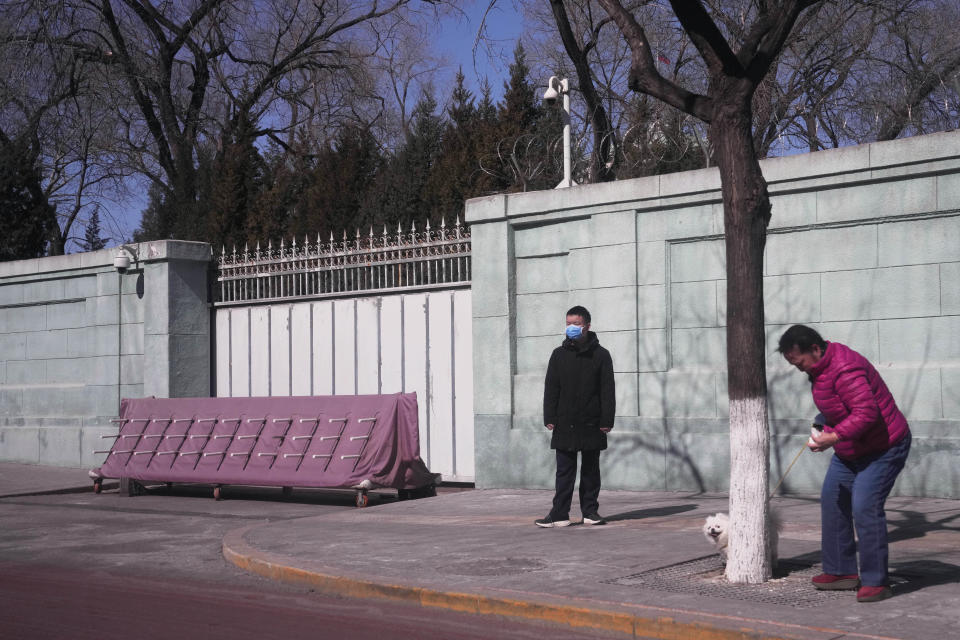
(746, 208)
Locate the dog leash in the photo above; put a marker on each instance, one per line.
(784, 476)
(818, 424)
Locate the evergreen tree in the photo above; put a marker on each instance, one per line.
(156, 221)
(461, 110)
(527, 149)
(487, 109)
(27, 220)
(91, 235)
(274, 208)
(336, 185)
(235, 179)
(398, 194)
(455, 174)
(520, 108)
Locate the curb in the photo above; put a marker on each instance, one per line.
(666, 624)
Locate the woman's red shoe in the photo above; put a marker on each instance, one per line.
(873, 594)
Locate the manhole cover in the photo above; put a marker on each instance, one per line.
(494, 567)
(704, 576)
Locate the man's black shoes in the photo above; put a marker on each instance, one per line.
(549, 523)
(594, 519)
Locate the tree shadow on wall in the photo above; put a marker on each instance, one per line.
(675, 456)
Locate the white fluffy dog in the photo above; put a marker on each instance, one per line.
(716, 530)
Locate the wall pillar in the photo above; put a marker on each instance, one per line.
(494, 338)
(176, 327)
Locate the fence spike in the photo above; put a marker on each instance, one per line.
(428, 225)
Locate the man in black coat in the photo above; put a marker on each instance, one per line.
(579, 403)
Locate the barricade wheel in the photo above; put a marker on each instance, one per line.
(98, 485)
(362, 499)
(287, 492)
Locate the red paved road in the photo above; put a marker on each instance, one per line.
(42, 601)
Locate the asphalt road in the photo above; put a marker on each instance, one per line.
(105, 566)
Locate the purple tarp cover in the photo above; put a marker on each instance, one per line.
(363, 441)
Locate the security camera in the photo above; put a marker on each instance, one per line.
(551, 96)
(121, 262)
(555, 88)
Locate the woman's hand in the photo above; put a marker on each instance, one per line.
(823, 441)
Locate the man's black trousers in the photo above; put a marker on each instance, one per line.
(567, 475)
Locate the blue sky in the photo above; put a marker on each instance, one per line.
(457, 37)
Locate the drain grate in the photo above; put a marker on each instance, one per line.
(704, 577)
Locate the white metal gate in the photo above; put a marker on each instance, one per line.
(284, 327)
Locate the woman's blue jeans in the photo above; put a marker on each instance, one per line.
(853, 496)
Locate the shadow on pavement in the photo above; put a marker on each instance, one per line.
(657, 512)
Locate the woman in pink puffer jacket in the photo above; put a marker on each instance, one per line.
(871, 441)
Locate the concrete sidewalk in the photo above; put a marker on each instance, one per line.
(648, 573)
(29, 479)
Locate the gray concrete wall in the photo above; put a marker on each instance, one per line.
(70, 346)
(864, 245)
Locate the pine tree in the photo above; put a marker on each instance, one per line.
(336, 186)
(487, 109)
(527, 133)
(235, 178)
(156, 221)
(91, 235)
(461, 110)
(273, 209)
(398, 194)
(519, 110)
(455, 174)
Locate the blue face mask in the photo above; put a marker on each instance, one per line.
(573, 331)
